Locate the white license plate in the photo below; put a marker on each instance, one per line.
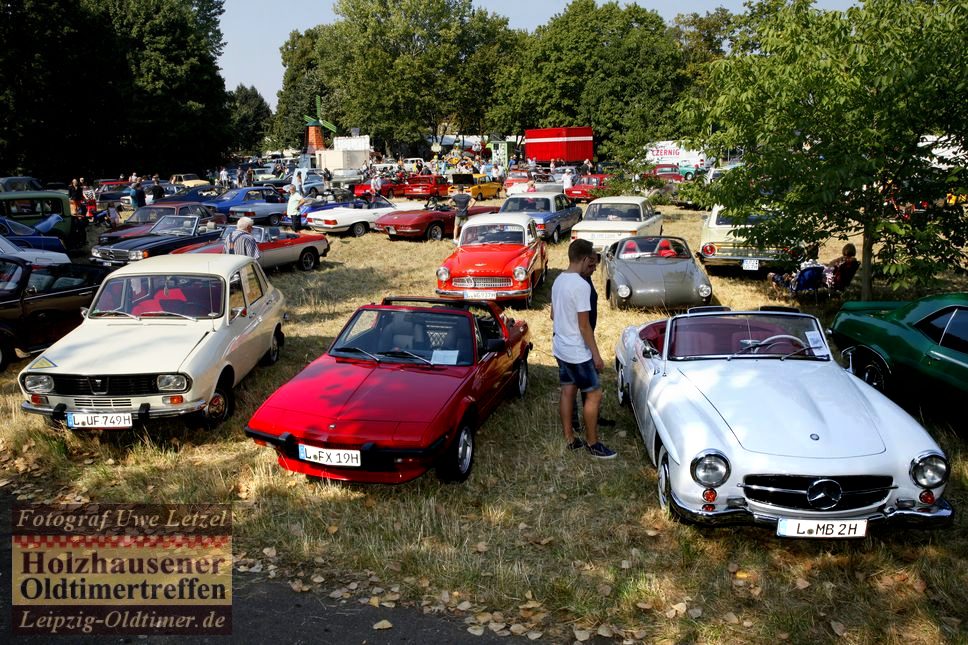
(821, 528)
(751, 265)
(329, 457)
(391, 230)
(99, 420)
(480, 295)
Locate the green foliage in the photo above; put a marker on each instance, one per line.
(830, 109)
(250, 118)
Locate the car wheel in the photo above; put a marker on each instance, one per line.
(872, 370)
(6, 354)
(556, 235)
(458, 459)
(687, 176)
(522, 377)
(613, 301)
(664, 484)
(544, 274)
(358, 229)
(435, 232)
(271, 357)
(621, 389)
(308, 260)
(221, 404)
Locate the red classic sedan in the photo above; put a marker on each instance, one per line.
(500, 257)
(402, 389)
(582, 190)
(276, 247)
(427, 186)
(424, 223)
(392, 187)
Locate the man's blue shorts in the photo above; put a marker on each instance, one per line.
(582, 375)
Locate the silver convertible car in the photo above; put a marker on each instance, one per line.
(654, 271)
(748, 419)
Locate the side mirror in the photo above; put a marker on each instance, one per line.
(84, 311)
(649, 351)
(238, 311)
(30, 291)
(495, 345)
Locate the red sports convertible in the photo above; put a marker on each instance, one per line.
(500, 257)
(276, 247)
(402, 389)
(424, 223)
(427, 186)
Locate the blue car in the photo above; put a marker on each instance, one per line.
(28, 237)
(553, 213)
(199, 194)
(246, 197)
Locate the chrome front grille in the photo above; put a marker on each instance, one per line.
(816, 493)
(482, 282)
(108, 385)
(113, 254)
(106, 404)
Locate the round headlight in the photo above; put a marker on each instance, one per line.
(623, 291)
(705, 291)
(172, 382)
(520, 274)
(39, 383)
(710, 469)
(929, 471)
(96, 252)
(443, 274)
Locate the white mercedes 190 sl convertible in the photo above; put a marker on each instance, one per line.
(749, 419)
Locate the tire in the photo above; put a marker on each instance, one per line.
(621, 387)
(664, 484)
(435, 232)
(544, 274)
(6, 354)
(456, 462)
(556, 235)
(528, 299)
(872, 370)
(274, 220)
(521, 377)
(271, 357)
(359, 229)
(688, 176)
(308, 260)
(222, 403)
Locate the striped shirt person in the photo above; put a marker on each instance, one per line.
(240, 241)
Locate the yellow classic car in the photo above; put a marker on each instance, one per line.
(478, 186)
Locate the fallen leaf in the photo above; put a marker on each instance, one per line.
(756, 591)
(297, 585)
(546, 541)
(670, 613)
(518, 629)
(783, 636)
(496, 627)
(644, 605)
(582, 635)
(374, 601)
(680, 608)
(476, 630)
(332, 529)
(731, 618)
(626, 564)
(317, 579)
(483, 617)
(651, 532)
(383, 624)
(747, 623)
(604, 590)
(88, 462)
(533, 636)
(919, 585)
(732, 567)
(838, 628)
(394, 566)
(606, 631)
(695, 612)
(531, 604)
(481, 547)
(522, 526)
(445, 597)
(464, 606)
(269, 551)
(801, 583)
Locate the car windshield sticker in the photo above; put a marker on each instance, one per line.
(816, 343)
(43, 362)
(444, 357)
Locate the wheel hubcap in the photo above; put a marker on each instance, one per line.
(465, 450)
(217, 406)
(873, 377)
(663, 483)
(523, 379)
(307, 261)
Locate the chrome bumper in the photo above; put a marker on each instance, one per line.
(143, 412)
(515, 293)
(938, 516)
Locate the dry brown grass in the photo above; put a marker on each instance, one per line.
(585, 540)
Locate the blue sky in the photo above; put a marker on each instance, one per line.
(254, 29)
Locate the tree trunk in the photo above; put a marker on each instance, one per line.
(867, 261)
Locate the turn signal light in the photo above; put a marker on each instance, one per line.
(38, 399)
(173, 400)
(927, 497)
(709, 508)
(709, 495)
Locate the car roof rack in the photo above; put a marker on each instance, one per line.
(707, 309)
(782, 308)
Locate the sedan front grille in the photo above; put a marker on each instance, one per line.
(482, 283)
(817, 493)
(113, 254)
(99, 404)
(113, 385)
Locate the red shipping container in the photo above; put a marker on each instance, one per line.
(571, 144)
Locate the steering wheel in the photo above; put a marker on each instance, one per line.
(766, 342)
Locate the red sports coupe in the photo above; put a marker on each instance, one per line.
(424, 223)
(402, 389)
(500, 257)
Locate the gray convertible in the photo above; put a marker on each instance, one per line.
(654, 271)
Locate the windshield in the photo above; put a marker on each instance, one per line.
(177, 295)
(16, 228)
(6, 246)
(591, 181)
(147, 214)
(614, 212)
(258, 232)
(638, 248)
(492, 234)
(175, 225)
(401, 336)
(748, 335)
(526, 204)
(228, 195)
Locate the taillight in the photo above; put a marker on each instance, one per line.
(329, 222)
(709, 249)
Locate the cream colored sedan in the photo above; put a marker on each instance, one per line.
(610, 219)
(165, 337)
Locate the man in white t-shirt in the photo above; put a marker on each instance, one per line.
(574, 347)
(567, 181)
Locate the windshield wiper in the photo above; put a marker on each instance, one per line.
(802, 349)
(168, 313)
(754, 344)
(403, 352)
(113, 312)
(350, 348)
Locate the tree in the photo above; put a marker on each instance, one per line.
(302, 81)
(250, 119)
(831, 110)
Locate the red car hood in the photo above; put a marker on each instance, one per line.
(339, 392)
(485, 259)
(405, 217)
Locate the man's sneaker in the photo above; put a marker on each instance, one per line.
(576, 444)
(601, 451)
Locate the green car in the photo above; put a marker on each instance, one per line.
(920, 344)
